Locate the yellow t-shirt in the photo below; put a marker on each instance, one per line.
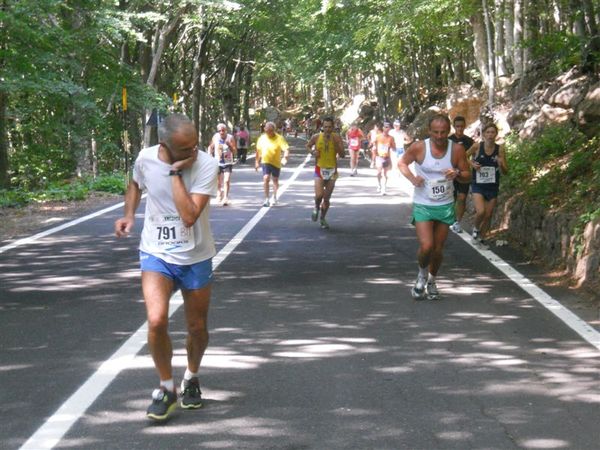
(327, 156)
(270, 149)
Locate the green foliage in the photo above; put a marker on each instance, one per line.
(112, 183)
(559, 50)
(78, 189)
(560, 156)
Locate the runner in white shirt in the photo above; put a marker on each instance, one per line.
(224, 149)
(438, 162)
(398, 136)
(176, 251)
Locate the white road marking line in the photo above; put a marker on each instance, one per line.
(580, 326)
(55, 427)
(35, 237)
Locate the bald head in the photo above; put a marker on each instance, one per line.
(178, 135)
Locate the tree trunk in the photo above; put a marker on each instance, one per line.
(508, 34)
(479, 47)
(499, 42)
(517, 39)
(578, 20)
(590, 17)
(157, 51)
(4, 167)
(247, 95)
(490, 52)
(200, 63)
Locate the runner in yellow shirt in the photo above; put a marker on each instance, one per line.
(268, 154)
(327, 146)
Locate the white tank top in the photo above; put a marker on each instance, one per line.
(436, 190)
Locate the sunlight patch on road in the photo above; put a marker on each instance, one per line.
(383, 281)
(219, 361)
(544, 443)
(396, 369)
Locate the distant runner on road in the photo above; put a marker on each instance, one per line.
(438, 162)
(384, 146)
(243, 141)
(461, 190)
(354, 137)
(176, 251)
(268, 156)
(223, 148)
(398, 136)
(327, 147)
(488, 161)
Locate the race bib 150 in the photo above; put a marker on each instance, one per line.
(441, 189)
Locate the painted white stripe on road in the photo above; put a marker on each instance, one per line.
(52, 431)
(35, 237)
(580, 326)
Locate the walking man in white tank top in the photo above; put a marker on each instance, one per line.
(438, 162)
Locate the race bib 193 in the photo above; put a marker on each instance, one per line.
(441, 189)
(227, 154)
(485, 174)
(168, 234)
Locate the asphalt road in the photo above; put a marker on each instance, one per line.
(315, 340)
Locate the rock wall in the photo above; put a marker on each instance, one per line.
(548, 236)
(572, 97)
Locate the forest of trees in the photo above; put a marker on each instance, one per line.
(64, 65)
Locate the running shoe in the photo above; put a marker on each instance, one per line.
(191, 395)
(378, 188)
(383, 192)
(355, 171)
(324, 224)
(456, 227)
(432, 291)
(418, 290)
(315, 215)
(266, 203)
(475, 235)
(163, 404)
(274, 202)
(483, 244)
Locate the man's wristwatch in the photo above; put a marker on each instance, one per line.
(175, 173)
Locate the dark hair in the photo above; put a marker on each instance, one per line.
(327, 119)
(439, 118)
(459, 119)
(489, 125)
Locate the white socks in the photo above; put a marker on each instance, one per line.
(188, 375)
(168, 384)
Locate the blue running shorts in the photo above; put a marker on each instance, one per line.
(194, 276)
(269, 169)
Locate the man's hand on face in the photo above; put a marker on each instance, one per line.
(187, 162)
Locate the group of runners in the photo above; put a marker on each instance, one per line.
(177, 246)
